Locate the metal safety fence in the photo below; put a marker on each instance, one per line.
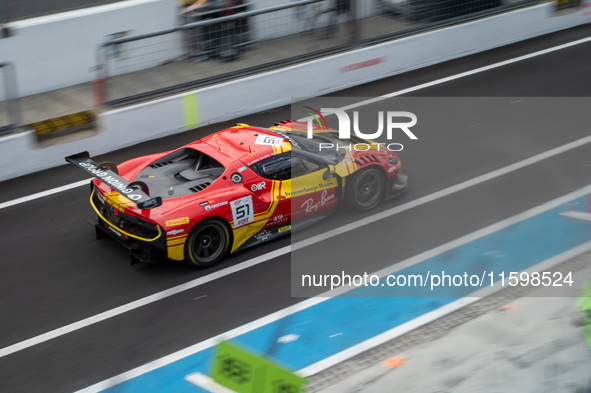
(218, 42)
(9, 109)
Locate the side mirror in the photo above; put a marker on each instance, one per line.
(330, 171)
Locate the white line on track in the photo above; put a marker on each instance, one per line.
(445, 192)
(222, 273)
(432, 316)
(337, 358)
(244, 265)
(140, 302)
(464, 74)
(386, 336)
(285, 250)
(42, 194)
(355, 105)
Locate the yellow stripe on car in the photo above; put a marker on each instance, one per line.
(176, 252)
(176, 242)
(119, 229)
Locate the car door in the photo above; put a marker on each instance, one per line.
(299, 188)
(273, 188)
(312, 192)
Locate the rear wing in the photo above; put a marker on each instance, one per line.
(107, 173)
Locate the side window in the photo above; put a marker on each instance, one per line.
(302, 166)
(285, 167)
(275, 168)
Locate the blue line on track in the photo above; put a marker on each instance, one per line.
(354, 319)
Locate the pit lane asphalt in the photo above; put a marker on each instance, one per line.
(55, 273)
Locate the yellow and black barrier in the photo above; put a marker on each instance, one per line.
(62, 122)
(562, 4)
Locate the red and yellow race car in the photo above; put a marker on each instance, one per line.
(234, 189)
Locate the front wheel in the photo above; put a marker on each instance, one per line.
(207, 244)
(365, 190)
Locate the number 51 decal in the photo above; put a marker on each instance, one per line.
(242, 212)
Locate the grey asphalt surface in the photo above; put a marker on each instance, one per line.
(530, 344)
(54, 272)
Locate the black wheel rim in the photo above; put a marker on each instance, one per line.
(368, 189)
(209, 243)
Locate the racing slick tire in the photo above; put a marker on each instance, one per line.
(207, 243)
(366, 189)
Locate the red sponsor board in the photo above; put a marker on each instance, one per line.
(363, 64)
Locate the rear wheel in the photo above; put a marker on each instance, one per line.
(207, 244)
(365, 190)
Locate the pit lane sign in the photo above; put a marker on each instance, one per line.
(243, 372)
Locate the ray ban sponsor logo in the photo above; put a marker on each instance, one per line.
(388, 122)
(175, 232)
(311, 206)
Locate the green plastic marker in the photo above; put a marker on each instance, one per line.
(584, 307)
(244, 372)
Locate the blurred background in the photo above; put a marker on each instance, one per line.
(500, 174)
(131, 51)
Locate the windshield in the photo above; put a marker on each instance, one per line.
(326, 152)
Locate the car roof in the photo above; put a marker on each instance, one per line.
(245, 143)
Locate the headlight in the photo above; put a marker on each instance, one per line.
(393, 161)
